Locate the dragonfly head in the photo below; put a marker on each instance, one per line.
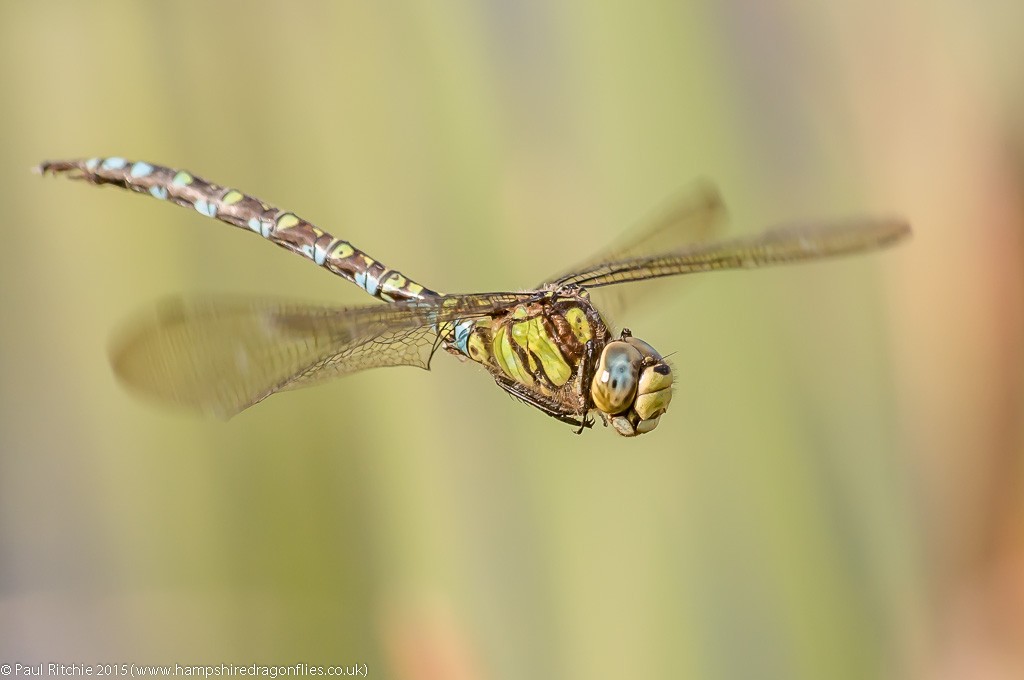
(632, 386)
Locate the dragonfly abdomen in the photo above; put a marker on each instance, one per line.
(286, 229)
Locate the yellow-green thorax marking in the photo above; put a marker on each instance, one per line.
(539, 345)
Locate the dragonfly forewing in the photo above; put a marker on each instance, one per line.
(781, 245)
(696, 214)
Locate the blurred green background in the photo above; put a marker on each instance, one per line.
(835, 494)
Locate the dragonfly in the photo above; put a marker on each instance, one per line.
(549, 347)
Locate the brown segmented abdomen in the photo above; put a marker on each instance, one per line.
(281, 227)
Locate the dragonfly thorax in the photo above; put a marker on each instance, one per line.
(632, 386)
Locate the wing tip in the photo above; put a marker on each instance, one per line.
(901, 229)
(889, 230)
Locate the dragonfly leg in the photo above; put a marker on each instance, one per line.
(549, 407)
(585, 423)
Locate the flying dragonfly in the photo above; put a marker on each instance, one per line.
(549, 347)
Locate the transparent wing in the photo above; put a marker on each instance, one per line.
(407, 347)
(792, 243)
(219, 356)
(696, 215)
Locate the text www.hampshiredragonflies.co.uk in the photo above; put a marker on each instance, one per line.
(176, 670)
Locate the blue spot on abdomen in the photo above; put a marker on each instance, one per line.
(204, 207)
(141, 169)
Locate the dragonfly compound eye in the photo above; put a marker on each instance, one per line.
(654, 392)
(617, 376)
